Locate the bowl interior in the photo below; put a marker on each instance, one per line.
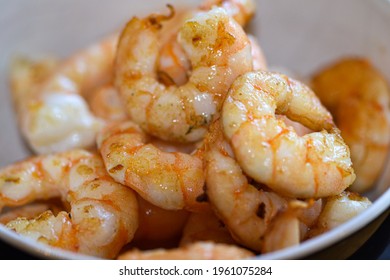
(298, 35)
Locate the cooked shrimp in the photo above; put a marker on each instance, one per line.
(339, 209)
(193, 251)
(158, 227)
(28, 211)
(205, 227)
(170, 180)
(245, 209)
(315, 165)
(54, 116)
(283, 232)
(290, 226)
(219, 51)
(358, 97)
(106, 104)
(103, 215)
(173, 65)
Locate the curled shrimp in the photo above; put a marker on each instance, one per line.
(54, 116)
(103, 215)
(193, 251)
(219, 51)
(173, 64)
(315, 165)
(170, 180)
(358, 97)
(174, 67)
(245, 209)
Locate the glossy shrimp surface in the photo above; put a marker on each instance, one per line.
(174, 67)
(170, 180)
(340, 208)
(315, 165)
(245, 209)
(103, 214)
(219, 51)
(358, 97)
(54, 116)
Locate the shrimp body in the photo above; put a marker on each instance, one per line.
(54, 116)
(359, 97)
(103, 215)
(315, 165)
(174, 66)
(193, 251)
(245, 209)
(218, 50)
(170, 180)
(339, 209)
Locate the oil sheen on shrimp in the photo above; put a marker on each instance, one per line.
(103, 215)
(338, 209)
(194, 251)
(170, 180)
(245, 209)
(219, 51)
(315, 165)
(358, 97)
(173, 65)
(54, 116)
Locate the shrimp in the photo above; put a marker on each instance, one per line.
(193, 251)
(158, 227)
(315, 165)
(339, 209)
(358, 97)
(103, 215)
(105, 103)
(55, 117)
(219, 51)
(173, 64)
(290, 226)
(245, 209)
(205, 227)
(28, 211)
(170, 180)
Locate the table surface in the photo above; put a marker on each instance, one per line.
(377, 247)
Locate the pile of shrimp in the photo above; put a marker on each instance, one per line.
(173, 140)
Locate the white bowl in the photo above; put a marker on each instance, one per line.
(298, 35)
